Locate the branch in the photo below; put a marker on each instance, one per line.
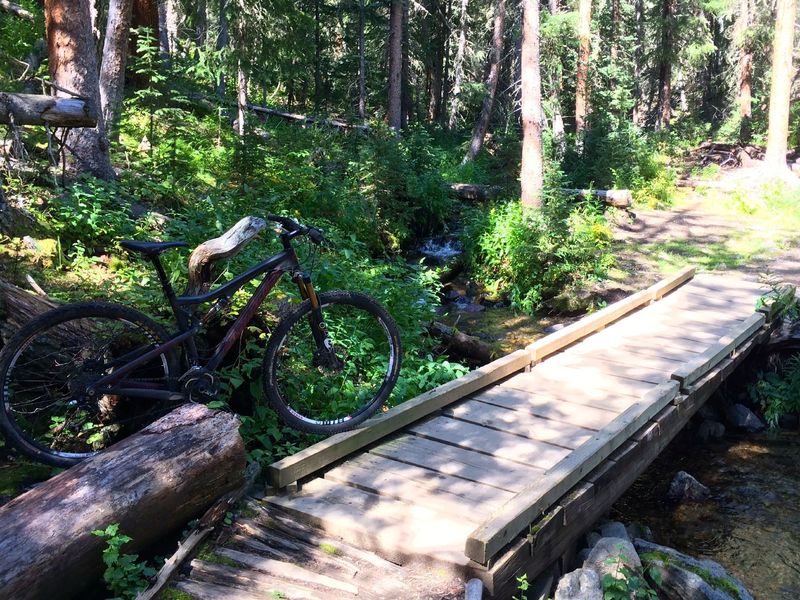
(16, 9)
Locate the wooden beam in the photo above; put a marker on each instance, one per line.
(665, 286)
(693, 370)
(507, 522)
(322, 454)
(34, 109)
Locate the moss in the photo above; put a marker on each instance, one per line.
(719, 583)
(173, 594)
(206, 554)
(328, 549)
(16, 475)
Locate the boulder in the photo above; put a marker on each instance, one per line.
(609, 553)
(685, 488)
(680, 584)
(580, 584)
(710, 572)
(741, 417)
(639, 530)
(710, 430)
(614, 529)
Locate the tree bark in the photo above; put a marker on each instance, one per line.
(664, 109)
(241, 98)
(18, 307)
(201, 21)
(73, 66)
(616, 18)
(458, 65)
(439, 28)
(405, 87)
(395, 112)
(532, 169)
(781, 85)
(479, 133)
(362, 64)
(445, 94)
(461, 344)
(149, 483)
(115, 55)
(582, 72)
(168, 27)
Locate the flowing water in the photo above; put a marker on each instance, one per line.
(751, 524)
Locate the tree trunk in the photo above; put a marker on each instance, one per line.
(745, 70)
(445, 95)
(532, 170)
(664, 109)
(439, 27)
(73, 66)
(405, 109)
(491, 82)
(616, 18)
(317, 59)
(241, 98)
(201, 21)
(168, 27)
(458, 65)
(222, 42)
(781, 85)
(395, 112)
(362, 64)
(115, 55)
(145, 14)
(638, 62)
(552, 6)
(582, 72)
(149, 483)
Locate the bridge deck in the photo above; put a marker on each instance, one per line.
(458, 476)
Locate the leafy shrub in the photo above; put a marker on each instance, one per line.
(778, 393)
(532, 255)
(125, 575)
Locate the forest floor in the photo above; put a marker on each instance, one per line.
(729, 223)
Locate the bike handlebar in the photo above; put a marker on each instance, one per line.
(294, 229)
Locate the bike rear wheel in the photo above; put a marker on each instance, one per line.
(317, 391)
(46, 368)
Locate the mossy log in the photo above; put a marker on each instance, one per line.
(34, 109)
(17, 307)
(150, 483)
(460, 343)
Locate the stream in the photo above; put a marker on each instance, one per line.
(751, 523)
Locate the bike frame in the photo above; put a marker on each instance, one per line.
(272, 268)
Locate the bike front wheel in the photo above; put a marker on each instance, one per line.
(337, 386)
(47, 368)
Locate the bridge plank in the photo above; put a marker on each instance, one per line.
(617, 356)
(458, 462)
(702, 364)
(393, 529)
(418, 485)
(590, 378)
(507, 522)
(572, 390)
(547, 406)
(522, 424)
(328, 451)
(495, 443)
(627, 370)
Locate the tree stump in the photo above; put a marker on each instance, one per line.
(149, 483)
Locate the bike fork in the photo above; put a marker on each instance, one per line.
(318, 328)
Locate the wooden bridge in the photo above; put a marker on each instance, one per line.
(499, 472)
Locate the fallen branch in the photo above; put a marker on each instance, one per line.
(17, 10)
(306, 119)
(225, 246)
(474, 191)
(461, 343)
(34, 109)
(616, 198)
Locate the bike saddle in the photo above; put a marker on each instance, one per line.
(150, 249)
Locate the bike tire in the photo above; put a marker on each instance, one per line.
(323, 400)
(46, 364)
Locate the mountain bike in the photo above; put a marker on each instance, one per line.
(82, 376)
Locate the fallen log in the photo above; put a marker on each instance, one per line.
(224, 246)
(474, 191)
(36, 109)
(17, 10)
(465, 345)
(17, 307)
(149, 483)
(616, 198)
(306, 119)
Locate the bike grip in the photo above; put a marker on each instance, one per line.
(316, 235)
